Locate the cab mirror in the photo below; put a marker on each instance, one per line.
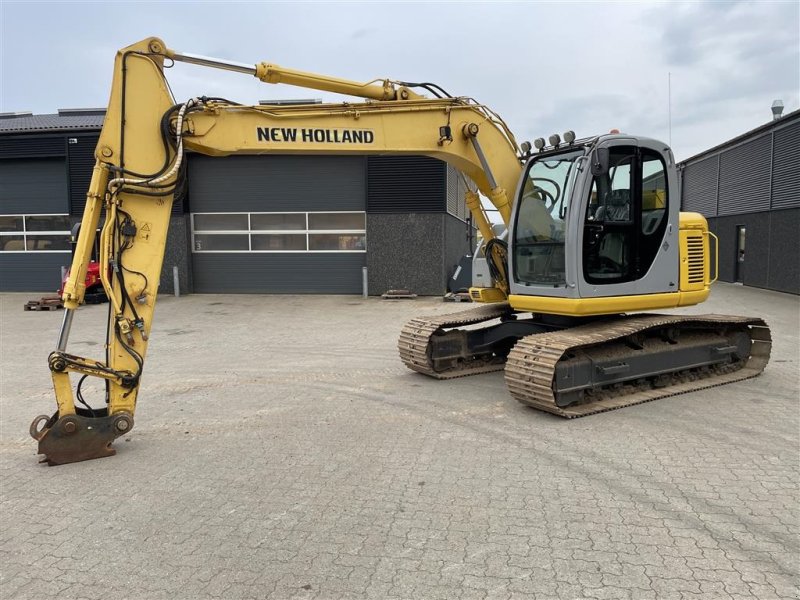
(600, 161)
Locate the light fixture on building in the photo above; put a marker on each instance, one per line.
(777, 109)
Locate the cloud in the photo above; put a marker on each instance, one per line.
(544, 67)
(729, 61)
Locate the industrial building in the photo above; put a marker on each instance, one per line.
(749, 190)
(310, 224)
(246, 224)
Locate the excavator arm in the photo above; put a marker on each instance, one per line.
(140, 167)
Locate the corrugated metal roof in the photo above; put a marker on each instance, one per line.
(33, 123)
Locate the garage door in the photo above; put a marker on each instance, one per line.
(278, 224)
(34, 225)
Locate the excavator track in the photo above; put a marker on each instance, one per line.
(417, 333)
(532, 369)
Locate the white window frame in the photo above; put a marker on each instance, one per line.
(24, 233)
(306, 232)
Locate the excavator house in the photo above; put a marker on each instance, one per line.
(595, 241)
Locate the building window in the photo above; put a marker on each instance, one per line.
(34, 233)
(279, 232)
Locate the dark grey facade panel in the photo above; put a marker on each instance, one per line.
(452, 191)
(276, 273)
(744, 176)
(276, 183)
(771, 258)
(405, 251)
(784, 230)
(456, 244)
(464, 212)
(32, 146)
(755, 270)
(177, 253)
(398, 184)
(699, 186)
(786, 167)
(33, 186)
(32, 271)
(456, 203)
(80, 161)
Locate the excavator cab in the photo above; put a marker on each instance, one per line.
(594, 220)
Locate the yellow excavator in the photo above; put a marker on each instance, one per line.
(594, 231)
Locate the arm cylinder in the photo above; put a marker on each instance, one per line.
(270, 73)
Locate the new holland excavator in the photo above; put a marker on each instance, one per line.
(594, 232)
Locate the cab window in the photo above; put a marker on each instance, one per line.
(625, 218)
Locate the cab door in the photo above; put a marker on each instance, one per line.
(628, 243)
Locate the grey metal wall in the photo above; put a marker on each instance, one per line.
(784, 232)
(456, 188)
(416, 231)
(50, 173)
(755, 183)
(405, 184)
(278, 273)
(699, 186)
(177, 254)
(786, 168)
(772, 259)
(32, 271)
(276, 183)
(411, 240)
(456, 244)
(754, 175)
(80, 160)
(744, 177)
(33, 186)
(32, 145)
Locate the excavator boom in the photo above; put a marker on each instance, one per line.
(140, 167)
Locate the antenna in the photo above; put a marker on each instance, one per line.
(669, 105)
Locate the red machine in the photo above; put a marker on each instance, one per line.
(95, 294)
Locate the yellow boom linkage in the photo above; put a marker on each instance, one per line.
(139, 162)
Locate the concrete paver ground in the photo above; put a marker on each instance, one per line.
(281, 450)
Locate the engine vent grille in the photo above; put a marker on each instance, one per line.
(696, 264)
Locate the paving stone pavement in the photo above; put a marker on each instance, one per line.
(282, 451)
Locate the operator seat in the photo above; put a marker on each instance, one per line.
(616, 208)
(613, 251)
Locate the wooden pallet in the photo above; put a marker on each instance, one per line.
(398, 295)
(46, 303)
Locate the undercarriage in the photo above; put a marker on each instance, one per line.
(574, 367)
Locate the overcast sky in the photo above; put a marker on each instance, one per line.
(545, 67)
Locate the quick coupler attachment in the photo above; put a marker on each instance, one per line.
(82, 436)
